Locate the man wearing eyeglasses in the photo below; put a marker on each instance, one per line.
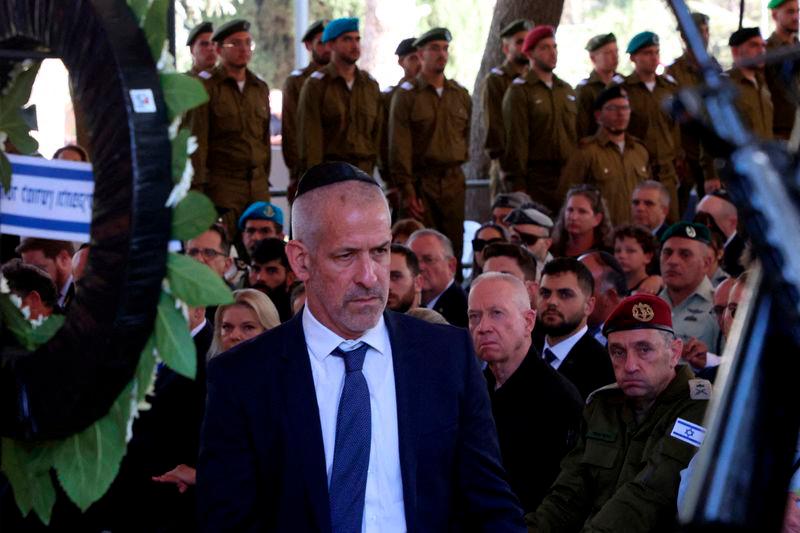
(212, 249)
(204, 54)
(232, 160)
(533, 229)
(612, 160)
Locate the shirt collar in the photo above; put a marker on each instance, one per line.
(436, 298)
(62, 294)
(730, 239)
(705, 291)
(562, 349)
(197, 330)
(321, 341)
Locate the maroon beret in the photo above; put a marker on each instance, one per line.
(640, 311)
(537, 34)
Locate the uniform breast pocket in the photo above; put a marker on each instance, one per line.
(600, 454)
(226, 117)
(367, 116)
(422, 117)
(259, 125)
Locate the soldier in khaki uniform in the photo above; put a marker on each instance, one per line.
(604, 54)
(786, 17)
(754, 100)
(204, 54)
(339, 115)
(408, 59)
(649, 122)
(539, 114)
(232, 160)
(637, 435)
(612, 160)
(494, 88)
(429, 129)
(700, 171)
(320, 56)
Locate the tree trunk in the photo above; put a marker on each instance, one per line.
(505, 11)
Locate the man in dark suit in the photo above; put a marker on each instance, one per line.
(565, 302)
(349, 415)
(719, 205)
(437, 264)
(537, 411)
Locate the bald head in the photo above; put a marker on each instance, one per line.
(723, 212)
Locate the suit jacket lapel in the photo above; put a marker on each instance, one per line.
(302, 415)
(404, 350)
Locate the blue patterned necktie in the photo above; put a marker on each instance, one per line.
(549, 356)
(348, 484)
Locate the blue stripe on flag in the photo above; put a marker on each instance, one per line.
(42, 171)
(39, 223)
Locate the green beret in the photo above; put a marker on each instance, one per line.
(742, 35)
(405, 47)
(640, 40)
(203, 27)
(688, 230)
(600, 40)
(316, 28)
(774, 4)
(515, 27)
(229, 28)
(436, 34)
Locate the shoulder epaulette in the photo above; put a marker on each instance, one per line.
(601, 390)
(583, 82)
(389, 89)
(519, 81)
(700, 389)
(617, 78)
(407, 85)
(296, 72)
(204, 74)
(317, 74)
(571, 97)
(670, 79)
(498, 71)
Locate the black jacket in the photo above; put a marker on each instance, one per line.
(452, 305)
(587, 365)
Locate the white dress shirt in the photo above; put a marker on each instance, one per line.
(383, 503)
(562, 349)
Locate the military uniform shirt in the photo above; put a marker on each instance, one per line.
(754, 103)
(623, 475)
(495, 85)
(386, 108)
(784, 109)
(598, 161)
(694, 317)
(540, 125)
(337, 123)
(586, 93)
(649, 122)
(291, 97)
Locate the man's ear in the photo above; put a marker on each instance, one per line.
(290, 278)
(64, 263)
(452, 264)
(418, 282)
(299, 259)
(590, 303)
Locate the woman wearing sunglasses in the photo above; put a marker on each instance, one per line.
(487, 234)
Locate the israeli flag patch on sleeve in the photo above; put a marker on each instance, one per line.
(688, 432)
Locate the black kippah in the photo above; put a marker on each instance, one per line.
(330, 173)
(743, 35)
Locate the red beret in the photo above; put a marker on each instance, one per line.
(640, 311)
(537, 34)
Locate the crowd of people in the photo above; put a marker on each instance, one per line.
(559, 382)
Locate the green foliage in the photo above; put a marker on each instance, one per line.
(173, 341)
(181, 93)
(5, 171)
(179, 153)
(155, 27)
(27, 467)
(195, 283)
(87, 462)
(145, 368)
(11, 122)
(139, 8)
(28, 336)
(192, 216)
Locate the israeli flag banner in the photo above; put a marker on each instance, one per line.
(51, 199)
(688, 432)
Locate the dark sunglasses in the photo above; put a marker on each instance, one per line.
(479, 244)
(528, 239)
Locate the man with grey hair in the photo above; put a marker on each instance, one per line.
(437, 265)
(340, 419)
(501, 321)
(650, 206)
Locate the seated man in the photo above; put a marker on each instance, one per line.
(270, 273)
(533, 229)
(405, 282)
(55, 258)
(638, 434)
(610, 288)
(261, 220)
(685, 256)
(520, 385)
(34, 288)
(437, 265)
(211, 248)
(515, 260)
(650, 206)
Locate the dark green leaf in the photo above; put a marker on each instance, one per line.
(192, 216)
(179, 154)
(86, 463)
(5, 172)
(16, 323)
(181, 93)
(144, 370)
(18, 132)
(19, 93)
(155, 27)
(45, 332)
(139, 8)
(27, 467)
(173, 341)
(195, 283)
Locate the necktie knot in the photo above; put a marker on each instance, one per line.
(353, 359)
(549, 356)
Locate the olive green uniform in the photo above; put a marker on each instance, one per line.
(600, 162)
(495, 85)
(623, 475)
(428, 143)
(291, 96)
(586, 92)
(386, 107)
(337, 123)
(754, 103)
(657, 130)
(699, 162)
(540, 136)
(232, 160)
(784, 109)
